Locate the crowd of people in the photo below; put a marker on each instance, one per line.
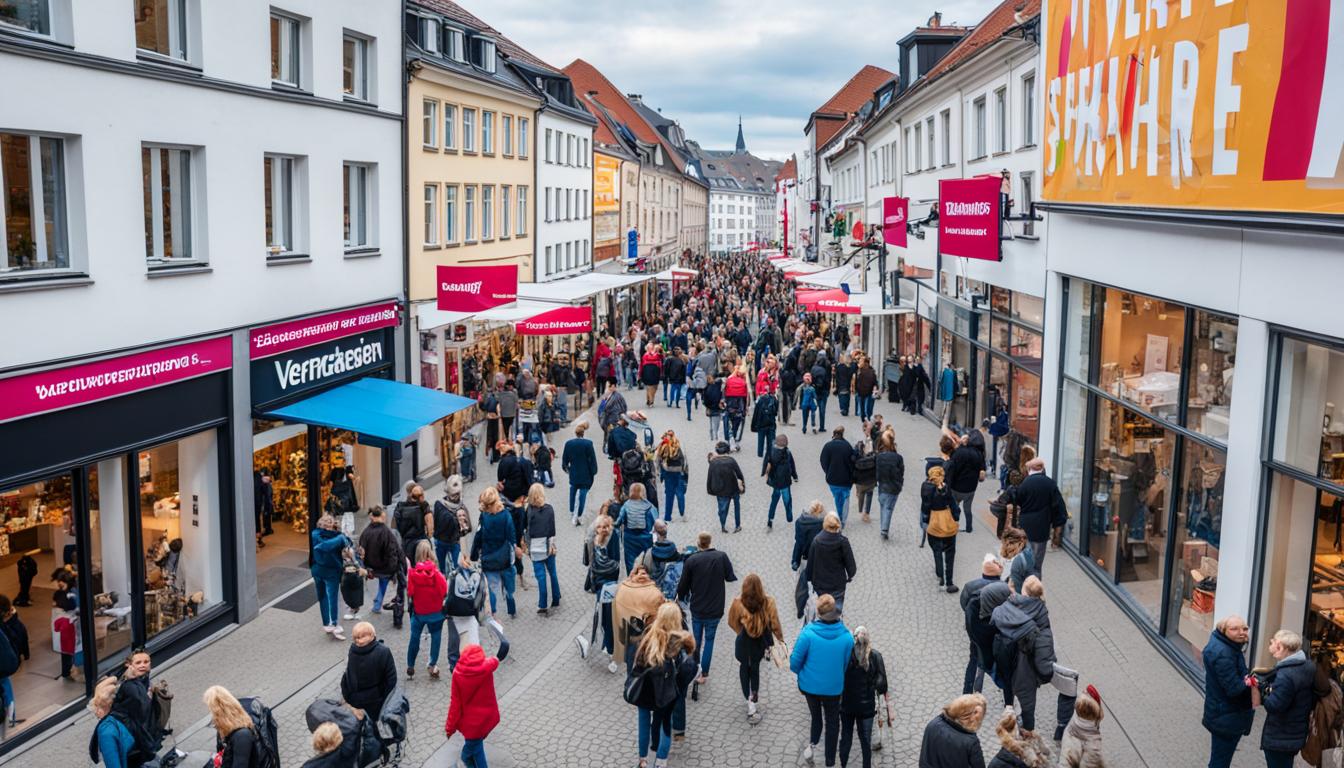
(731, 344)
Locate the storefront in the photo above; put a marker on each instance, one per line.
(116, 474)
(1141, 452)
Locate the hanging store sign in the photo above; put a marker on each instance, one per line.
(473, 289)
(60, 388)
(297, 334)
(557, 322)
(313, 367)
(895, 214)
(968, 218)
(1210, 104)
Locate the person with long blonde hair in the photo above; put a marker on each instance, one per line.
(755, 618)
(494, 547)
(111, 736)
(675, 473)
(665, 647)
(236, 739)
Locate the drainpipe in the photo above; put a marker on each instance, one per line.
(405, 211)
(863, 161)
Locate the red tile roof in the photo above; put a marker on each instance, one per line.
(586, 78)
(858, 90)
(828, 127)
(602, 134)
(989, 30)
(462, 15)
(788, 171)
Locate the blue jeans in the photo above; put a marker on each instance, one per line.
(1222, 750)
(886, 503)
(691, 395)
(840, 493)
(655, 728)
(787, 495)
(843, 399)
(382, 592)
(576, 508)
(666, 385)
(674, 489)
(715, 424)
(809, 413)
(502, 581)
(328, 592)
(821, 412)
(7, 690)
(473, 753)
(676, 395)
(736, 501)
(865, 406)
(1277, 759)
(764, 439)
(540, 568)
(434, 623)
(704, 631)
(442, 550)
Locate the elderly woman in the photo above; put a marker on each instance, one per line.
(950, 739)
(328, 543)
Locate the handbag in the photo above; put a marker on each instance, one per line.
(779, 654)
(942, 524)
(1065, 681)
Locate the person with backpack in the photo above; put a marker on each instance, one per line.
(754, 617)
(451, 521)
(327, 545)
(674, 377)
(712, 397)
(865, 478)
(789, 381)
(763, 422)
(695, 377)
(779, 472)
(493, 547)
(865, 685)
(473, 709)
(675, 473)
(602, 558)
(611, 409)
(633, 608)
(980, 632)
(370, 671)
(890, 480)
(704, 576)
(539, 537)
(1024, 648)
(579, 462)
(663, 561)
(819, 659)
(725, 482)
(662, 669)
(844, 382)
(636, 520)
(821, 380)
(542, 458)
(938, 515)
(413, 518)
(237, 743)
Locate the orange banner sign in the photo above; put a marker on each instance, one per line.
(606, 176)
(1211, 104)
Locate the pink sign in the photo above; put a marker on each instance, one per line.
(296, 334)
(828, 300)
(968, 218)
(895, 214)
(74, 385)
(557, 321)
(472, 289)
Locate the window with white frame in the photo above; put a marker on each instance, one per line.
(282, 191)
(928, 131)
(1001, 120)
(549, 138)
(569, 255)
(919, 147)
(355, 67)
(454, 44)
(286, 50)
(449, 126)
(522, 138)
(504, 211)
(469, 213)
(550, 260)
(1029, 110)
(468, 130)
(506, 132)
(168, 204)
(487, 211)
(450, 213)
(979, 128)
(430, 123)
(485, 53)
(160, 25)
(569, 150)
(358, 205)
(947, 136)
(487, 132)
(431, 214)
(521, 230)
(429, 34)
(29, 15)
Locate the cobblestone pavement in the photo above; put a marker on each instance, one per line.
(559, 710)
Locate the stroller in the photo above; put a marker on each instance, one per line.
(364, 742)
(646, 474)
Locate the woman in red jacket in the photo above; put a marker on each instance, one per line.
(472, 707)
(651, 372)
(736, 398)
(426, 588)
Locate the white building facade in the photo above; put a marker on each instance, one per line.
(565, 178)
(214, 233)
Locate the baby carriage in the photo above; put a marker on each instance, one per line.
(366, 742)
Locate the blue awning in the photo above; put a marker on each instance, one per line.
(384, 410)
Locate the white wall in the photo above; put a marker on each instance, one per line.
(553, 174)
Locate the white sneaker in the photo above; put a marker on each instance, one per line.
(328, 630)
(337, 633)
(351, 616)
(751, 708)
(613, 667)
(807, 754)
(582, 642)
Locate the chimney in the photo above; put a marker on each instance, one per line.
(936, 20)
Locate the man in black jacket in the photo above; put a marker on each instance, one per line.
(1040, 509)
(621, 439)
(821, 381)
(780, 473)
(837, 461)
(964, 470)
(381, 553)
(704, 577)
(370, 672)
(830, 563)
(890, 482)
(725, 482)
(979, 631)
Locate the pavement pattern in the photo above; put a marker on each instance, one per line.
(562, 711)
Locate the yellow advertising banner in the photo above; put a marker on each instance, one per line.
(606, 183)
(1204, 104)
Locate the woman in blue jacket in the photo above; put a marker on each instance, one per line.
(1227, 698)
(328, 543)
(819, 659)
(494, 547)
(636, 523)
(1288, 697)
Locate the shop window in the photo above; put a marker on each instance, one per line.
(282, 182)
(30, 15)
(1069, 467)
(161, 27)
(1029, 309)
(1026, 346)
(32, 196)
(1078, 330)
(168, 204)
(1000, 300)
(429, 360)
(1302, 573)
(109, 543)
(1131, 487)
(1001, 335)
(1213, 356)
(1309, 414)
(1198, 530)
(1141, 347)
(1025, 414)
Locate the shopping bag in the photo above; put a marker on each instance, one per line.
(1065, 680)
(779, 654)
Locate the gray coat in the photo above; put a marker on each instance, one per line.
(704, 363)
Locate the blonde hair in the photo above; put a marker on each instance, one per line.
(1089, 708)
(815, 509)
(489, 500)
(536, 495)
(327, 738)
(424, 552)
(226, 713)
(103, 694)
(637, 490)
(968, 710)
(325, 520)
(1032, 587)
(831, 523)
(580, 428)
(936, 474)
(670, 448)
(602, 529)
(664, 637)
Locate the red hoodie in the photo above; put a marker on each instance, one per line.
(427, 588)
(472, 707)
(736, 386)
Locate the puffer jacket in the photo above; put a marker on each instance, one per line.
(495, 538)
(1227, 699)
(426, 588)
(1288, 698)
(820, 657)
(1081, 747)
(473, 709)
(948, 745)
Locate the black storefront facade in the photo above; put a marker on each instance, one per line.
(116, 477)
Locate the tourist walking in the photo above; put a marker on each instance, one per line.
(602, 559)
(651, 372)
(830, 561)
(865, 684)
(735, 397)
(865, 388)
(837, 461)
(426, 587)
(819, 659)
(1024, 647)
(674, 471)
(844, 382)
(704, 575)
(805, 530)
(539, 539)
(370, 671)
(636, 602)
(890, 480)
(964, 470)
(380, 550)
(473, 709)
(712, 397)
(1039, 508)
(938, 515)
(328, 544)
(780, 473)
(951, 739)
(579, 462)
(865, 478)
(754, 617)
(726, 483)
(662, 669)
(237, 743)
(494, 548)
(807, 401)
(1227, 696)
(635, 521)
(979, 631)
(763, 417)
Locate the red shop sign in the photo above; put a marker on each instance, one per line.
(557, 322)
(472, 289)
(968, 218)
(895, 214)
(74, 385)
(296, 334)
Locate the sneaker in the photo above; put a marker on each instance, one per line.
(582, 643)
(351, 616)
(327, 629)
(884, 535)
(769, 526)
(377, 611)
(751, 708)
(737, 529)
(337, 633)
(433, 671)
(807, 754)
(410, 672)
(613, 667)
(951, 588)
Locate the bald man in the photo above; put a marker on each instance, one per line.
(1039, 507)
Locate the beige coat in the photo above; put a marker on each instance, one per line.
(637, 596)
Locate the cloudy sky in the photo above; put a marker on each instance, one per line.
(705, 61)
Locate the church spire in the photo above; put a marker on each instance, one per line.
(741, 142)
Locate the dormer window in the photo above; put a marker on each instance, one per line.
(454, 44)
(429, 34)
(483, 53)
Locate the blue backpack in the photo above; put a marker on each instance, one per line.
(671, 577)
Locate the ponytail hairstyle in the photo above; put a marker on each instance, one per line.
(863, 647)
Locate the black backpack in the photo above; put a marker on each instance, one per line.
(265, 748)
(409, 520)
(603, 567)
(632, 465)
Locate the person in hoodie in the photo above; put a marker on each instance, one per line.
(890, 479)
(1286, 693)
(637, 601)
(635, 521)
(1024, 648)
(951, 739)
(448, 516)
(1227, 697)
(712, 396)
(426, 587)
(327, 545)
(1015, 750)
(865, 683)
(539, 536)
(819, 659)
(381, 553)
(473, 709)
(837, 461)
(830, 562)
(978, 631)
(674, 377)
(805, 529)
(725, 482)
(579, 461)
(1081, 745)
(662, 554)
(651, 372)
(779, 472)
(764, 416)
(494, 547)
(370, 671)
